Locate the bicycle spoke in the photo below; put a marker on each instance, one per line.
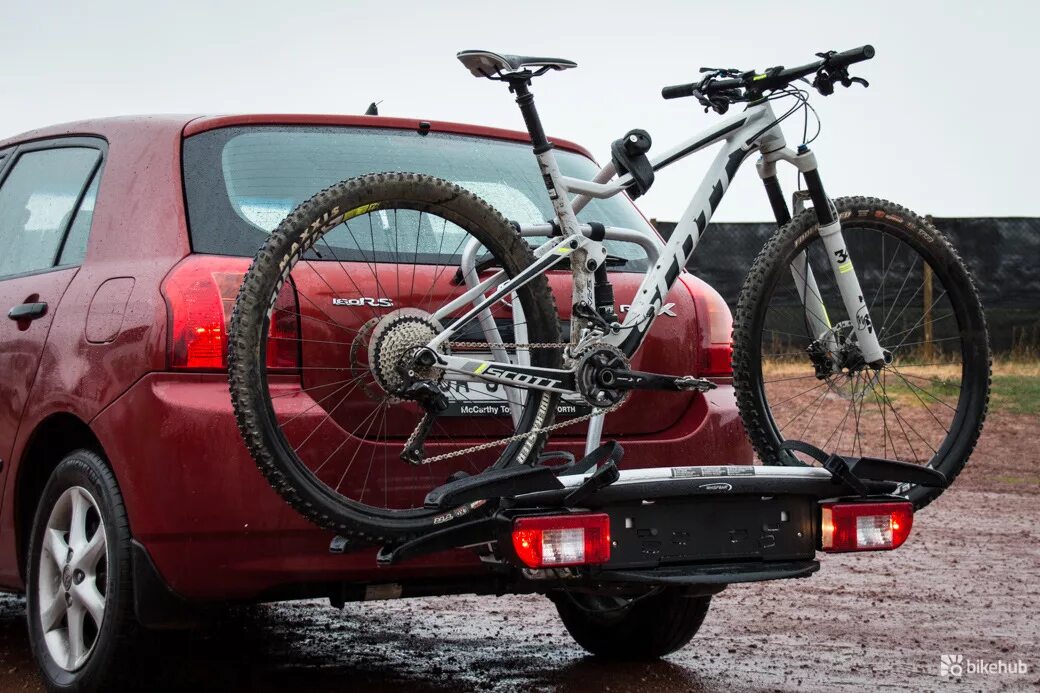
(884, 425)
(822, 400)
(371, 416)
(899, 293)
(804, 392)
(795, 418)
(313, 387)
(852, 408)
(901, 421)
(913, 389)
(324, 420)
(783, 380)
(921, 319)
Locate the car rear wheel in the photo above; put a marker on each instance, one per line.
(79, 589)
(645, 627)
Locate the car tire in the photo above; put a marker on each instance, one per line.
(642, 628)
(81, 514)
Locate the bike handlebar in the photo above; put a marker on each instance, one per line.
(678, 91)
(855, 55)
(772, 78)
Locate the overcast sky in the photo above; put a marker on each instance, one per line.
(947, 127)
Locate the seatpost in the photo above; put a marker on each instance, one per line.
(543, 149)
(582, 292)
(525, 99)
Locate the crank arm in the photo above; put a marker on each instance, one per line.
(641, 380)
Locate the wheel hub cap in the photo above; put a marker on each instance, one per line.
(72, 580)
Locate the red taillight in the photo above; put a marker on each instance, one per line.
(562, 540)
(865, 526)
(200, 293)
(715, 323)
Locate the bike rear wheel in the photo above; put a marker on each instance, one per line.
(927, 406)
(322, 332)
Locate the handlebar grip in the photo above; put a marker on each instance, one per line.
(678, 91)
(856, 55)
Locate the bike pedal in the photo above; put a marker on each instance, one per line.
(689, 383)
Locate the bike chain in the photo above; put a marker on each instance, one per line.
(519, 436)
(509, 345)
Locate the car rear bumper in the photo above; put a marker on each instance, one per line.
(215, 530)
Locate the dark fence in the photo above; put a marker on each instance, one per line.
(1002, 253)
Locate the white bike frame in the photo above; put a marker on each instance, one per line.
(753, 130)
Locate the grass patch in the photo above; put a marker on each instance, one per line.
(1015, 389)
(1017, 394)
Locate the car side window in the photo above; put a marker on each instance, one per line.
(38, 199)
(75, 248)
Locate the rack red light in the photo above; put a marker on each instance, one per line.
(556, 541)
(865, 526)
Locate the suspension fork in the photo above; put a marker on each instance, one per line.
(816, 317)
(837, 254)
(844, 272)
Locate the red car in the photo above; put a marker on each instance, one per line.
(123, 244)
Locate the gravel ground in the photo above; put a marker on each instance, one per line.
(967, 582)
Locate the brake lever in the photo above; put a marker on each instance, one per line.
(849, 81)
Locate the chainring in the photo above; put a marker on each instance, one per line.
(592, 358)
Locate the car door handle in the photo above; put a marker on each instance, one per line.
(28, 311)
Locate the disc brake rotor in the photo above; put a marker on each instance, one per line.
(856, 378)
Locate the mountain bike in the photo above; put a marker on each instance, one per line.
(858, 327)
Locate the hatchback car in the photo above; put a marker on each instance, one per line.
(128, 496)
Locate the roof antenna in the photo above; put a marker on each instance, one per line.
(373, 108)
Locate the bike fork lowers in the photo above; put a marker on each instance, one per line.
(837, 254)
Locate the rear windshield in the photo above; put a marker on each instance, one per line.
(241, 182)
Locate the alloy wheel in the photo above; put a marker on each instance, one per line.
(73, 578)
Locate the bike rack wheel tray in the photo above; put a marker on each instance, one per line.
(692, 525)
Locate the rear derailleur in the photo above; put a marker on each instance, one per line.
(433, 401)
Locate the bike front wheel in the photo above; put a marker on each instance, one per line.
(926, 405)
(321, 346)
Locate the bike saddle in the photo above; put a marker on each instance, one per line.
(487, 64)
